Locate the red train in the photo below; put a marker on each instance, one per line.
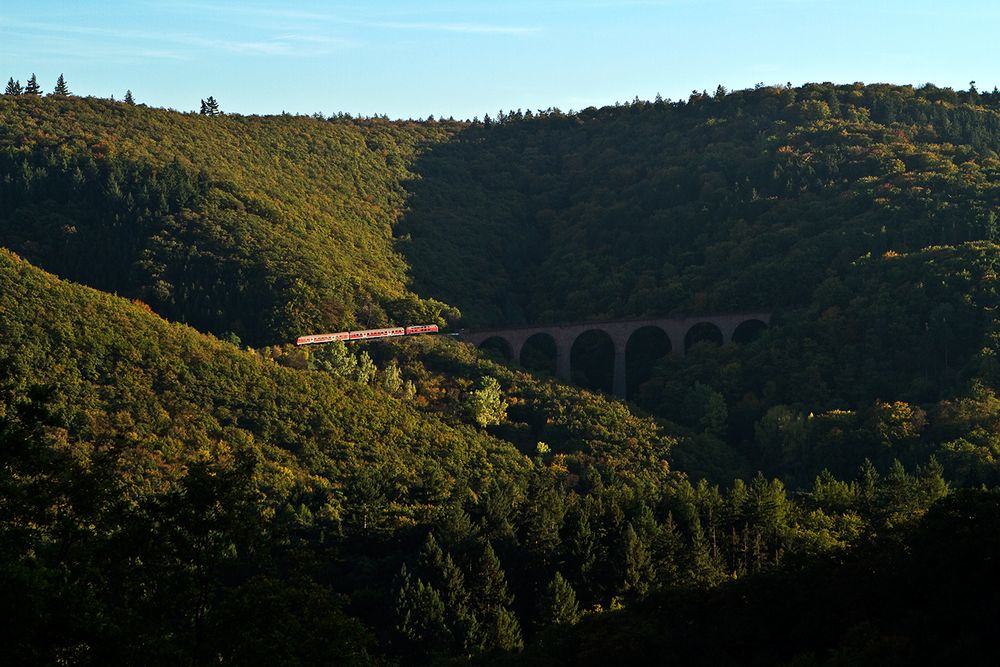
(366, 334)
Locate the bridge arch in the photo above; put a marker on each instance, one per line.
(644, 347)
(497, 346)
(540, 352)
(592, 360)
(703, 332)
(748, 331)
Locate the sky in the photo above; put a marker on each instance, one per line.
(447, 58)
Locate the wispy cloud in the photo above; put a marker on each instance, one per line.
(285, 44)
(291, 14)
(453, 27)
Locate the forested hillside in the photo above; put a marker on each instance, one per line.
(170, 495)
(740, 201)
(261, 227)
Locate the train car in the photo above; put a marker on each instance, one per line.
(322, 338)
(421, 329)
(368, 334)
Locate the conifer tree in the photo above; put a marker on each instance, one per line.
(666, 550)
(543, 520)
(637, 562)
(505, 632)
(61, 90)
(583, 544)
(499, 626)
(438, 569)
(129, 100)
(702, 569)
(32, 87)
(209, 107)
(560, 606)
(420, 615)
(430, 559)
(491, 582)
(13, 87)
(456, 528)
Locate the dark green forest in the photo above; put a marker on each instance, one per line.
(180, 484)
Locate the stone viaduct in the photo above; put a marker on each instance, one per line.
(681, 333)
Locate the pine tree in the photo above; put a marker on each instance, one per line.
(543, 519)
(209, 107)
(420, 614)
(583, 544)
(505, 632)
(438, 569)
(430, 559)
(491, 583)
(32, 87)
(702, 570)
(456, 528)
(637, 562)
(129, 100)
(559, 604)
(61, 90)
(13, 87)
(666, 551)
(498, 625)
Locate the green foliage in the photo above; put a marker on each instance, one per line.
(486, 404)
(32, 87)
(215, 504)
(266, 227)
(560, 605)
(61, 89)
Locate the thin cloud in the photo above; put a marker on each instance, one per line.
(454, 27)
(460, 27)
(286, 45)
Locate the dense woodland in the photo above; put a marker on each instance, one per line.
(179, 484)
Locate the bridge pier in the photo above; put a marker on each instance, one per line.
(564, 366)
(619, 386)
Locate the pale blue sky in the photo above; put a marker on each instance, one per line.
(445, 57)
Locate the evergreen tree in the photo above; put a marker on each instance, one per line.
(868, 488)
(497, 624)
(13, 87)
(32, 87)
(667, 549)
(637, 563)
(129, 100)
(491, 583)
(456, 529)
(702, 570)
(420, 615)
(505, 632)
(559, 606)
(543, 515)
(439, 570)
(209, 107)
(583, 546)
(61, 90)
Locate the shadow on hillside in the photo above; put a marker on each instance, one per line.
(470, 234)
